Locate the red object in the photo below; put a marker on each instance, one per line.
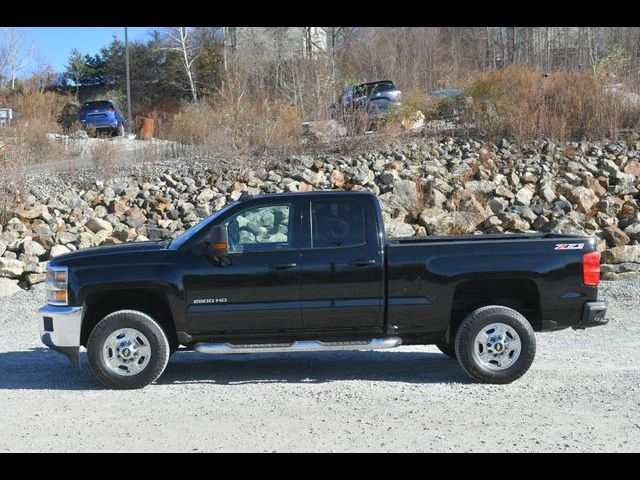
(82, 112)
(591, 268)
(111, 109)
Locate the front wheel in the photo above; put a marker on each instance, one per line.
(448, 349)
(127, 349)
(495, 344)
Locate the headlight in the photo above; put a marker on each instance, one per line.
(56, 285)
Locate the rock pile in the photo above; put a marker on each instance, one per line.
(426, 187)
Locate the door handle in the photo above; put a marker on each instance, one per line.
(362, 263)
(282, 266)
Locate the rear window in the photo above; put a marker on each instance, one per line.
(336, 223)
(370, 88)
(97, 105)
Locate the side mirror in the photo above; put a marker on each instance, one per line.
(217, 244)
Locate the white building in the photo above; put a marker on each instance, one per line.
(273, 43)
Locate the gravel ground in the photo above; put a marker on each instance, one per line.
(581, 394)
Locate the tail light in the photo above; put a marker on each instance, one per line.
(111, 109)
(82, 112)
(591, 268)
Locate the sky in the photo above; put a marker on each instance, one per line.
(55, 43)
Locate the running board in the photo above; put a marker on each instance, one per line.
(301, 346)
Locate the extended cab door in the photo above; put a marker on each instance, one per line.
(260, 288)
(342, 267)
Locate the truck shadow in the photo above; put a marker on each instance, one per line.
(316, 367)
(43, 369)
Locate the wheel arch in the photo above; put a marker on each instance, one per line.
(522, 295)
(152, 301)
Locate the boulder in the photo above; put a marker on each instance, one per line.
(435, 198)
(32, 248)
(363, 176)
(324, 130)
(406, 193)
(632, 168)
(309, 176)
(8, 287)
(524, 195)
(389, 177)
(58, 250)
(413, 122)
(502, 191)
(625, 253)
(11, 268)
(512, 221)
(633, 231)
(97, 225)
(394, 228)
(594, 185)
(338, 178)
(616, 237)
(583, 197)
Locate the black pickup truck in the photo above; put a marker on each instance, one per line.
(314, 272)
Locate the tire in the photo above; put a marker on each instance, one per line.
(482, 362)
(139, 334)
(448, 349)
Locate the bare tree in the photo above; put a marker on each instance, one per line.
(181, 42)
(19, 50)
(3, 62)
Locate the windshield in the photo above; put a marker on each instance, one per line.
(190, 233)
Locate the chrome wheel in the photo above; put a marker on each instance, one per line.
(126, 351)
(497, 346)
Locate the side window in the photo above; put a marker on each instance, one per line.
(336, 223)
(260, 228)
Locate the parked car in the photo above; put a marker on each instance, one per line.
(301, 272)
(377, 99)
(103, 115)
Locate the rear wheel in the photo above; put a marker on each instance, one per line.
(495, 344)
(127, 349)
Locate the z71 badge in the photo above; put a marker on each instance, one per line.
(569, 246)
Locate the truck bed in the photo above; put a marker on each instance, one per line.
(426, 277)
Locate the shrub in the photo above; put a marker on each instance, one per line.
(104, 157)
(519, 102)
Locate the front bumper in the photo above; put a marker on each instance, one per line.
(593, 315)
(60, 330)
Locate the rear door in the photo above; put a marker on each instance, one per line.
(342, 284)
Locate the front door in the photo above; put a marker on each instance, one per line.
(260, 288)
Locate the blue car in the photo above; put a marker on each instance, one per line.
(103, 115)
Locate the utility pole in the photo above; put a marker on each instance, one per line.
(126, 58)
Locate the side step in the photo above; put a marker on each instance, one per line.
(301, 346)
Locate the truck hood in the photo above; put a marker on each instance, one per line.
(107, 250)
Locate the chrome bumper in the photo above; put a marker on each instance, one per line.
(60, 330)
